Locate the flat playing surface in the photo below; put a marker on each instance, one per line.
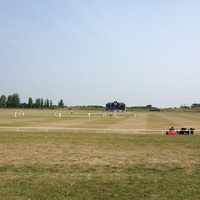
(63, 164)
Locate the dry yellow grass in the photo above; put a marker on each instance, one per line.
(97, 165)
(95, 149)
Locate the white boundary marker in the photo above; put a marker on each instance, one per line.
(105, 130)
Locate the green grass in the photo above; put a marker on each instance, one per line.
(99, 166)
(162, 184)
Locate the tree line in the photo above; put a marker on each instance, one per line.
(194, 105)
(13, 101)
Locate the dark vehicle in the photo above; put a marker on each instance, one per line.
(184, 131)
(190, 131)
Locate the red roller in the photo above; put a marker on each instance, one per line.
(171, 132)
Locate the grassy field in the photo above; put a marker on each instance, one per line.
(61, 164)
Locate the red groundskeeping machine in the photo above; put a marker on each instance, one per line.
(171, 132)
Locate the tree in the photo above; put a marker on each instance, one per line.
(3, 101)
(37, 103)
(13, 101)
(41, 103)
(61, 104)
(195, 105)
(51, 104)
(149, 106)
(24, 105)
(16, 100)
(30, 102)
(46, 103)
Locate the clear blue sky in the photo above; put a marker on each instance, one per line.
(90, 52)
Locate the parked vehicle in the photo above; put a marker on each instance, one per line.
(182, 131)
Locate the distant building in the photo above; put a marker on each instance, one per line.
(115, 106)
